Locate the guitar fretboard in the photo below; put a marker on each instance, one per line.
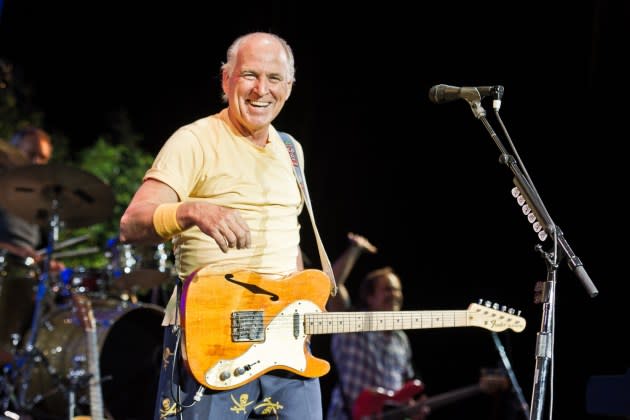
(96, 398)
(341, 322)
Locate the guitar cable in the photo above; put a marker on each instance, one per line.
(178, 331)
(199, 393)
(523, 405)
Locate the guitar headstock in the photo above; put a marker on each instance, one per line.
(494, 318)
(83, 306)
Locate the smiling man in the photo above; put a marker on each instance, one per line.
(223, 190)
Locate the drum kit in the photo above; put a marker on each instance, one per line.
(53, 363)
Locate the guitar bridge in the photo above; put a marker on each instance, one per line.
(247, 326)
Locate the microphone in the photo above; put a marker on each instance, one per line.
(440, 94)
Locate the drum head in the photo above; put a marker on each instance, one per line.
(131, 358)
(18, 288)
(129, 344)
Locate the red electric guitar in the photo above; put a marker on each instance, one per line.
(383, 405)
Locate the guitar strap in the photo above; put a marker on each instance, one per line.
(326, 266)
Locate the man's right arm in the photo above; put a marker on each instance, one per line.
(224, 225)
(136, 224)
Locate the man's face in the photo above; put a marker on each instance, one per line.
(387, 295)
(258, 86)
(37, 150)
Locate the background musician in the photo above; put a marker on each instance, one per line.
(372, 359)
(19, 241)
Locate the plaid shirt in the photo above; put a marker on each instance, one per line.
(368, 360)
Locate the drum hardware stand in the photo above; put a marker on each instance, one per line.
(78, 378)
(31, 354)
(38, 357)
(7, 379)
(6, 389)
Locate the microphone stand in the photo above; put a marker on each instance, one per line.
(545, 337)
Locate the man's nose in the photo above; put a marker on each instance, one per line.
(262, 87)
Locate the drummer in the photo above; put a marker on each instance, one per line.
(17, 236)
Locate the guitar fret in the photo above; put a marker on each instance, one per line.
(87, 318)
(344, 322)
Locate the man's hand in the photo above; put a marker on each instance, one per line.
(226, 226)
(362, 243)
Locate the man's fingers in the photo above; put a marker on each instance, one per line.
(241, 230)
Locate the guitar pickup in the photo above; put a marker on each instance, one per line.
(247, 326)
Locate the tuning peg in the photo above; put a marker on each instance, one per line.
(513, 311)
(497, 307)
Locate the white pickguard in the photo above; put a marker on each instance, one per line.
(280, 348)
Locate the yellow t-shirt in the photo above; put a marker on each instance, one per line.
(208, 160)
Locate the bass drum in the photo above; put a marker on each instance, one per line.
(129, 341)
(18, 288)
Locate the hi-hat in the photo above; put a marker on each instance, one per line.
(37, 192)
(11, 156)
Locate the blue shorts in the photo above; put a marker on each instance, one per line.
(275, 395)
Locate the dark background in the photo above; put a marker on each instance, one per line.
(421, 181)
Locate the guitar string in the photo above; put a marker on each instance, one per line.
(358, 320)
(355, 320)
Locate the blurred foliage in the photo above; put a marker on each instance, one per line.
(122, 167)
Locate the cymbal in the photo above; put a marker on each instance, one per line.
(141, 279)
(37, 192)
(11, 156)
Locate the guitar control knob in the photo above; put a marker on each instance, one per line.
(225, 375)
(239, 371)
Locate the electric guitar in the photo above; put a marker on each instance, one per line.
(383, 405)
(238, 326)
(85, 314)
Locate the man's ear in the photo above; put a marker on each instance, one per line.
(225, 78)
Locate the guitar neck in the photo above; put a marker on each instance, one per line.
(346, 322)
(433, 403)
(452, 396)
(96, 395)
(86, 317)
